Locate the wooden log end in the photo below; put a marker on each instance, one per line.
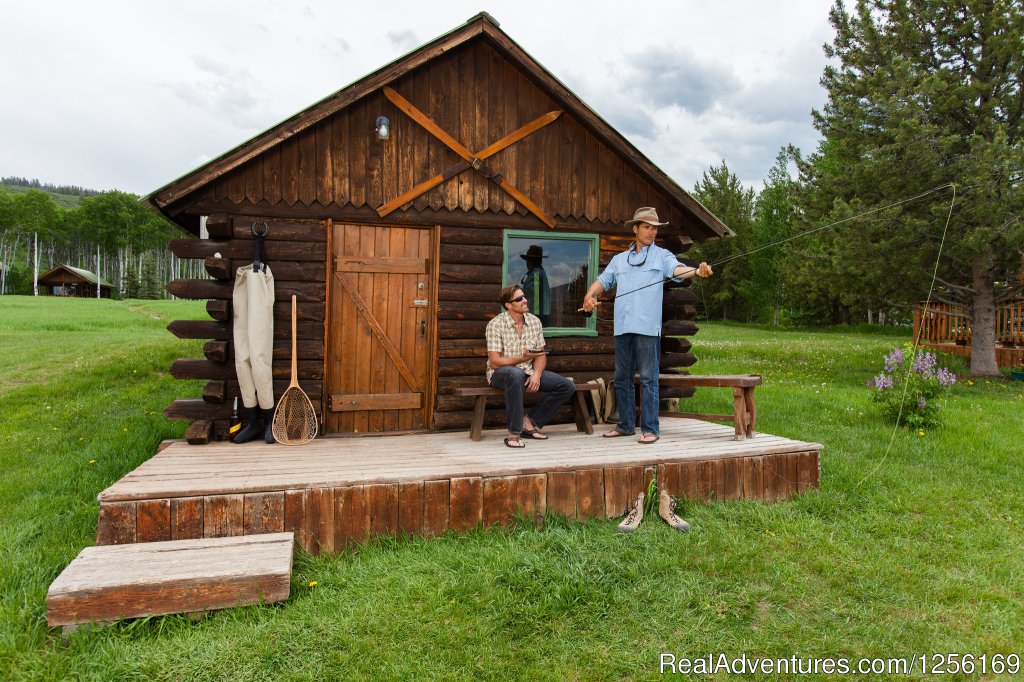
(215, 391)
(216, 350)
(199, 432)
(218, 268)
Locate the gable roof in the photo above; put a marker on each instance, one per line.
(86, 275)
(480, 26)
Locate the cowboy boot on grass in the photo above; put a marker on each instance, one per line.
(667, 511)
(633, 517)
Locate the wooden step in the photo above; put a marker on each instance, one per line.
(111, 582)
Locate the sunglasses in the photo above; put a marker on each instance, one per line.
(629, 256)
(518, 298)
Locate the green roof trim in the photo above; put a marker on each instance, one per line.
(87, 275)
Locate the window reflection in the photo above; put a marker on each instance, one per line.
(554, 273)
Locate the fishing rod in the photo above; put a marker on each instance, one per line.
(917, 343)
(784, 240)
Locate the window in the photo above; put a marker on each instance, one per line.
(554, 270)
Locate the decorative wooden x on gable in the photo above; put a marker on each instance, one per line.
(469, 159)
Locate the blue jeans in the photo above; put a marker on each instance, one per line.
(556, 389)
(637, 353)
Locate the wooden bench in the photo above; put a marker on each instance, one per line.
(583, 421)
(744, 413)
(111, 582)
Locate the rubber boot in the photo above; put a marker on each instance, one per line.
(634, 517)
(253, 425)
(667, 511)
(268, 419)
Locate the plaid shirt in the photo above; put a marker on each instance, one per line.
(503, 337)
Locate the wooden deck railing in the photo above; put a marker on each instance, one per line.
(943, 325)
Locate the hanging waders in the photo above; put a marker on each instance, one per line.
(253, 316)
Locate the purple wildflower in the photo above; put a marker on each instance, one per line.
(893, 360)
(921, 402)
(924, 364)
(945, 377)
(882, 382)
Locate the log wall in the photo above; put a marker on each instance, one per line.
(296, 252)
(470, 280)
(470, 274)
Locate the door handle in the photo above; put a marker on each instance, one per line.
(423, 329)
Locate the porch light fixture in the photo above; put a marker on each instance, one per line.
(383, 127)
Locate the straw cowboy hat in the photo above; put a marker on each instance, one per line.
(645, 215)
(535, 251)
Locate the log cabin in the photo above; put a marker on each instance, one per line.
(397, 208)
(65, 280)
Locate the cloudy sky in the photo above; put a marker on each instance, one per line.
(131, 95)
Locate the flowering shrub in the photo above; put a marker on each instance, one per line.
(923, 382)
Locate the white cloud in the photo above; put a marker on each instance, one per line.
(403, 40)
(663, 76)
(224, 90)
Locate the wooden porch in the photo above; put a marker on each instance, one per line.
(337, 491)
(947, 328)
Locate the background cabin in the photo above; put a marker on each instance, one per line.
(397, 208)
(65, 280)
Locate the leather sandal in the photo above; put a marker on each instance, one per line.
(615, 433)
(533, 434)
(647, 439)
(519, 444)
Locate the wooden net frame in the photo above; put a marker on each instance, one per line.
(295, 421)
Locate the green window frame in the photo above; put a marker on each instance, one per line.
(569, 275)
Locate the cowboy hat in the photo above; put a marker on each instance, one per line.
(535, 251)
(645, 215)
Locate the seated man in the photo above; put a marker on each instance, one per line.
(513, 367)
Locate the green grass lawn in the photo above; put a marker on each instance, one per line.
(904, 550)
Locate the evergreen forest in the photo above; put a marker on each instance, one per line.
(108, 233)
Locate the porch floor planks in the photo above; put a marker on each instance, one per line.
(181, 470)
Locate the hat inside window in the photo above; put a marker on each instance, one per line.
(535, 251)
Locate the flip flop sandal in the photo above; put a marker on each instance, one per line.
(615, 433)
(647, 439)
(509, 443)
(533, 434)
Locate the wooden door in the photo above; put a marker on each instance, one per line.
(381, 319)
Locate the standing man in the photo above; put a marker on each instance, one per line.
(638, 320)
(535, 283)
(512, 365)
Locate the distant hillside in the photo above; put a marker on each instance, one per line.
(65, 196)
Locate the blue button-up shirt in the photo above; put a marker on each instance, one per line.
(640, 312)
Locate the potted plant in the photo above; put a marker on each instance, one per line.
(1018, 373)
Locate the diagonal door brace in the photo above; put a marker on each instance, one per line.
(396, 357)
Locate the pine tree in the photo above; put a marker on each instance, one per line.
(130, 281)
(924, 93)
(149, 288)
(724, 195)
(773, 216)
